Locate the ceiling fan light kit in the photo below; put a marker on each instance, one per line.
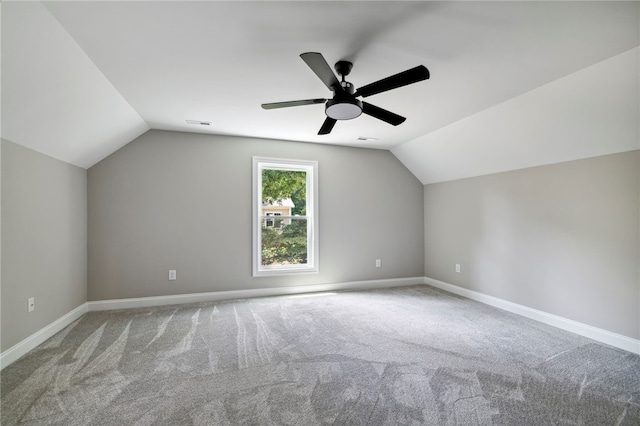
(344, 105)
(343, 109)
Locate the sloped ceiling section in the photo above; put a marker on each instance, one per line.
(82, 78)
(595, 111)
(54, 99)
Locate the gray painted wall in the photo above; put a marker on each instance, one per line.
(171, 200)
(44, 240)
(562, 238)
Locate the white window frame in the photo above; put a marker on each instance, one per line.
(311, 169)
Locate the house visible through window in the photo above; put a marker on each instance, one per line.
(270, 222)
(284, 217)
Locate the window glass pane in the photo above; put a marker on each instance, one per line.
(284, 242)
(285, 191)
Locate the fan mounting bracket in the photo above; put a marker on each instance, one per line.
(343, 68)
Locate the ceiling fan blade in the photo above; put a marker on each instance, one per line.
(404, 78)
(319, 65)
(382, 114)
(275, 105)
(327, 126)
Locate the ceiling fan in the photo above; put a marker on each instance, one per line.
(344, 105)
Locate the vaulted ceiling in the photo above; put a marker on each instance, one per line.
(512, 83)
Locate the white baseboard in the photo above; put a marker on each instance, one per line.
(12, 354)
(16, 351)
(143, 302)
(598, 334)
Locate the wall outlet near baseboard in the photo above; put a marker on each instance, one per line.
(31, 304)
(378, 263)
(172, 275)
(457, 267)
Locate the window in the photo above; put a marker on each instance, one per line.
(269, 222)
(285, 219)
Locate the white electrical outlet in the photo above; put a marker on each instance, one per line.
(378, 263)
(31, 304)
(172, 275)
(457, 267)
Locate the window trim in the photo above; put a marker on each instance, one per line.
(311, 168)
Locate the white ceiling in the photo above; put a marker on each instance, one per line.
(81, 79)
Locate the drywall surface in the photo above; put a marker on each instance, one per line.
(589, 113)
(560, 238)
(44, 240)
(171, 200)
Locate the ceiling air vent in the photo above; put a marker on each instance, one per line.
(199, 123)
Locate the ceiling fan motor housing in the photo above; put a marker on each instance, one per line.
(344, 106)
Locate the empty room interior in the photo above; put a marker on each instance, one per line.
(315, 212)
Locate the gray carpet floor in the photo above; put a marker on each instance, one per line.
(401, 356)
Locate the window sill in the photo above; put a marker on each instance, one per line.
(274, 272)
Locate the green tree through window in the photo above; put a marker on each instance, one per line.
(281, 184)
